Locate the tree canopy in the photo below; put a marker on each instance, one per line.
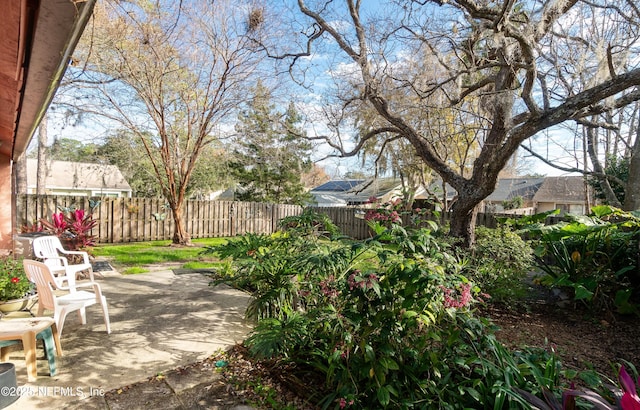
(501, 67)
(171, 73)
(270, 156)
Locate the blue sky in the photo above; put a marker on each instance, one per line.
(94, 131)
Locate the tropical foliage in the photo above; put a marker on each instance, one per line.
(499, 263)
(72, 225)
(384, 324)
(594, 257)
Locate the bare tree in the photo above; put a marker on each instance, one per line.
(502, 56)
(599, 43)
(632, 191)
(42, 169)
(171, 73)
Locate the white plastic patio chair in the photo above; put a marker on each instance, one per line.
(41, 275)
(53, 254)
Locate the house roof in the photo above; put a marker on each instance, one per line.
(37, 40)
(354, 192)
(328, 199)
(563, 189)
(77, 175)
(509, 188)
(338, 185)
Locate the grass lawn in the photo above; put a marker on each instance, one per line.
(132, 257)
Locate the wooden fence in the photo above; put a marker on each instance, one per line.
(146, 219)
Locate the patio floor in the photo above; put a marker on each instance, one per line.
(159, 321)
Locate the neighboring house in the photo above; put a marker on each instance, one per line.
(335, 193)
(510, 188)
(568, 193)
(219, 195)
(79, 179)
(355, 192)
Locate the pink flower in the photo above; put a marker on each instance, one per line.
(344, 403)
(15, 280)
(326, 287)
(630, 399)
(78, 214)
(58, 220)
(354, 280)
(457, 302)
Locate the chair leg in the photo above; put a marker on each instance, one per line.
(49, 349)
(105, 312)
(29, 347)
(56, 339)
(62, 315)
(82, 315)
(5, 350)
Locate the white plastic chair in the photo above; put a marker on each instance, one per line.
(41, 275)
(50, 250)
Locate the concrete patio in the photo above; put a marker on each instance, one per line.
(159, 321)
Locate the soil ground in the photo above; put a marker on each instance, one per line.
(582, 340)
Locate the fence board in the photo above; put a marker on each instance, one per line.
(149, 219)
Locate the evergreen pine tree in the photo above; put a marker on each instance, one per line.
(270, 154)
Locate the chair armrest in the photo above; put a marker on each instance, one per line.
(95, 285)
(87, 284)
(85, 255)
(62, 259)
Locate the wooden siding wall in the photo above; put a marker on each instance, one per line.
(146, 219)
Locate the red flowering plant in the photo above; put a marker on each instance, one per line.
(72, 226)
(386, 213)
(14, 283)
(384, 216)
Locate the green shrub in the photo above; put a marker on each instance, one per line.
(500, 263)
(309, 223)
(387, 325)
(595, 257)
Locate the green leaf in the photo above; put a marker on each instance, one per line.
(389, 363)
(369, 354)
(473, 393)
(383, 396)
(622, 296)
(582, 293)
(409, 314)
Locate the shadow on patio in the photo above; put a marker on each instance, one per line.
(159, 321)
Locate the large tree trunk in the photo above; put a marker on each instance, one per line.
(463, 220)
(632, 188)
(180, 234)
